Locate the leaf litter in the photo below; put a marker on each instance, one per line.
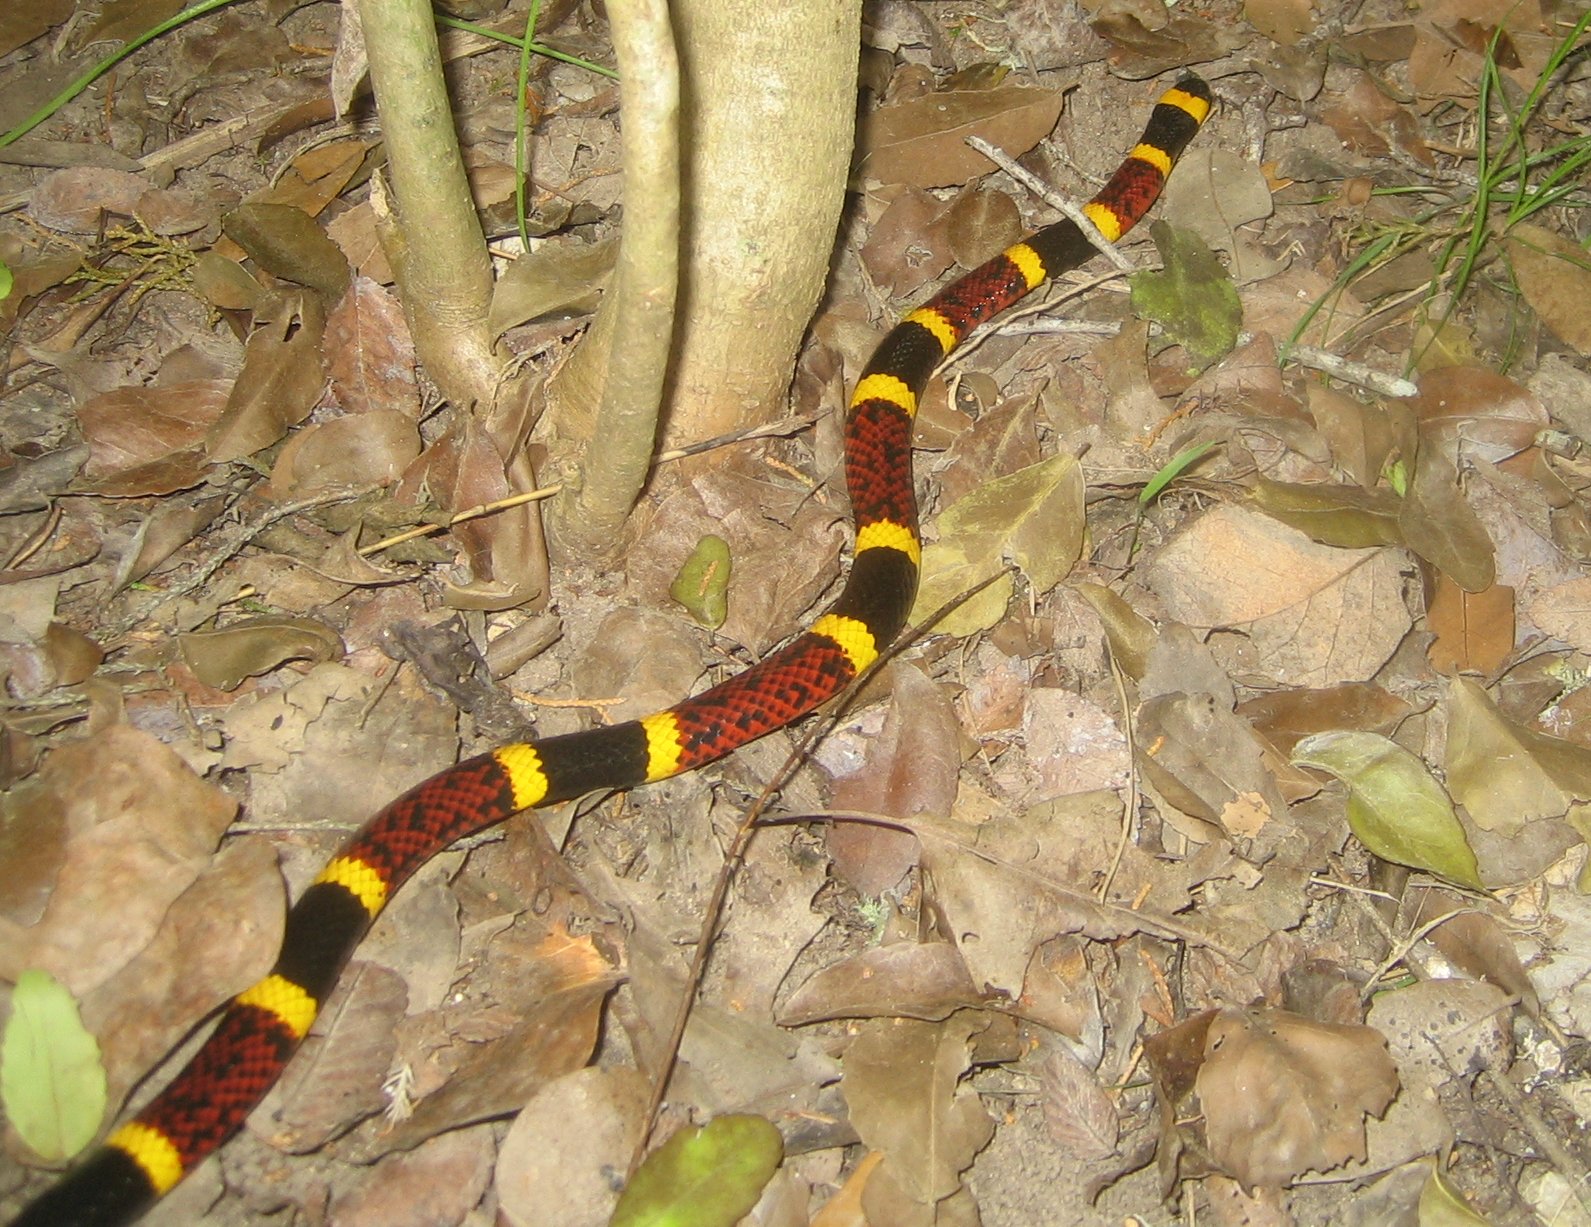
(1231, 849)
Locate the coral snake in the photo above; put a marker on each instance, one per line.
(258, 1032)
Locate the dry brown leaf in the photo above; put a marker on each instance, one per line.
(224, 656)
(1286, 717)
(922, 141)
(286, 242)
(370, 358)
(1284, 1095)
(902, 1082)
(148, 440)
(544, 1167)
(1563, 612)
(281, 379)
(1206, 761)
(349, 453)
(1474, 632)
(904, 980)
(1490, 414)
(1313, 615)
(1081, 1117)
(439, 1181)
(906, 249)
(1554, 274)
(466, 468)
(1439, 525)
(909, 769)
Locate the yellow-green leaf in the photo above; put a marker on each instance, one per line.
(1395, 806)
(52, 1080)
(707, 1177)
(1034, 517)
(702, 585)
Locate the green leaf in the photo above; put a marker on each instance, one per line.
(1192, 297)
(52, 1080)
(1395, 806)
(7, 281)
(1173, 469)
(1348, 517)
(707, 1177)
(702, 585)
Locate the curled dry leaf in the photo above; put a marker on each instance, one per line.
(1283, 1095)
(929, 981)
(281, 379)
(224, 657)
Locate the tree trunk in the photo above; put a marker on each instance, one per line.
(769, 101)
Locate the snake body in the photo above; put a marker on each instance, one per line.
(260, 1029)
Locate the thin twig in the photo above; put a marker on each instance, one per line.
(742, 840)
(1055, 200)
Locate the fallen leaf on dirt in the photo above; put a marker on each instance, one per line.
(150, 440)
(909, 769)
(1474, 632)
(558, 278)
(1552, 274)
(497, 1076)
(370, 354)
(465, 468)
(1080, 1116)
(1315, 615)
(1130, 635)
(75, 200)
(252, 646)
(922, 141)
(1205, 761)
(281, 379)
(1191, 297)
(437, 1182)
(545, 1168)
(1504, 775)
(1034, 517)
(287, 242)
(1348, 517)
(1395, 807)
(1444, 1031)
(1563, 611)
(343, 454)
(902, 1081)
(1439, 525)
(1477, 945)
(1286, 717)
(1283, 1094)
(909, 246)
(928, 981)
(1488, 413)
